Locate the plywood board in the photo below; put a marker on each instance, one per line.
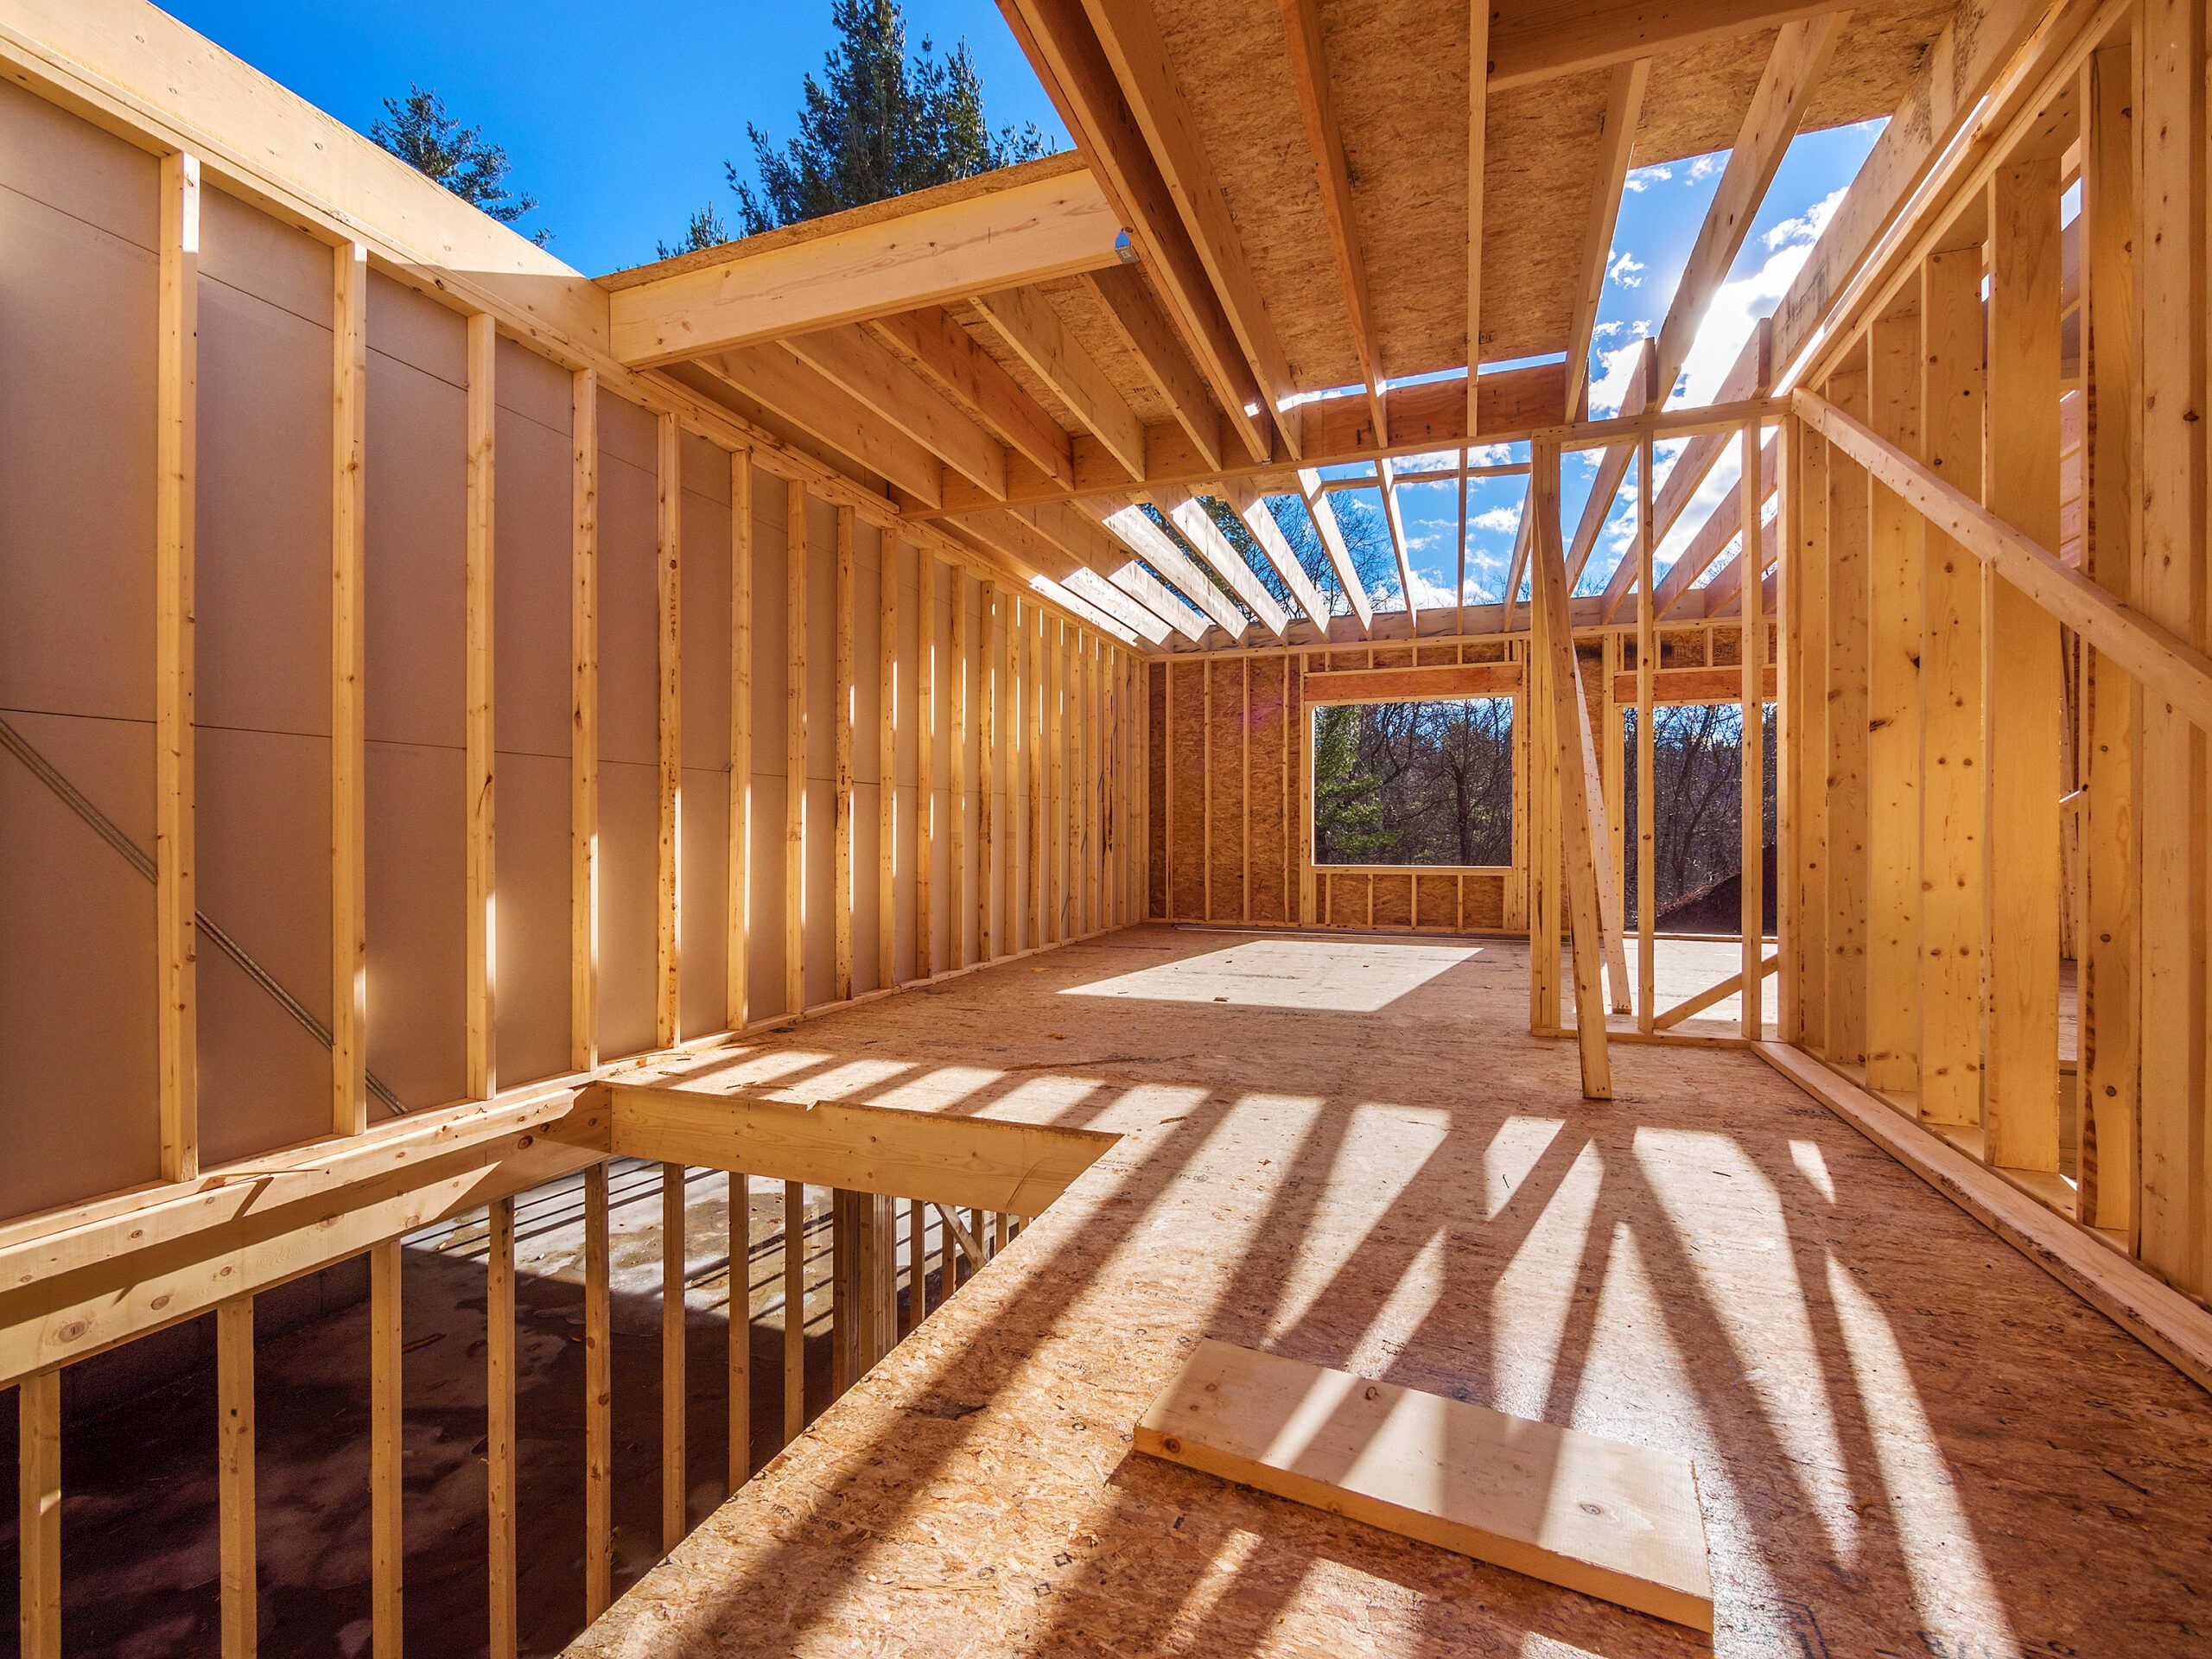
(1611, 1520)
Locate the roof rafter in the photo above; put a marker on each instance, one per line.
(1144, 328)
(1059, 43)
(1190, 517)
(1313, 491)
(1252, 507)
(1616, 143)
(1386, 480)
(851, 357)
(949, 355)
(1536, 40)
(787, 387)
(1026, 321)
(1722, 527)
(1158, 549)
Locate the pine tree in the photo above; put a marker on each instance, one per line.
(883, 125)
(421, 132)
(706, 230)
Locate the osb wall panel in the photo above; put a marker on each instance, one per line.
(629, 728)
(1226, 824)
(1156, 762)
(1273, 813)
(1186, 789)
(1394, 900)
(703, 622)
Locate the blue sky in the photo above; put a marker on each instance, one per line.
(621, 133)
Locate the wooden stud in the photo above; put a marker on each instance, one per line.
(2172, 269)
(1055, 754)
(669, 570)
(583, 720)
(738, 1360)
(599, 1399)
(2109, 1049)
(1952, 804)
(925, 702)
(349, 1039)
(1206, 785)
(674, 1485)
(917, 1279)
(38, 1514)
(1647, 843)
(737, 995)
(1039, 898)
(1848, 597)
(841, 822)
(988, 689)
(1478, 20)
(176, 374)
(1751, 751)
(499, 1411)
(795, 746)
(1577, 816)
(483, 345)
(958, 667)
(387, 1430)
(1007, 719)
(2022, 687)
(794, 1310)
(234, 1506)
(886, 764)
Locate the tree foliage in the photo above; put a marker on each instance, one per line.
(879, 123)
(705, 230)
(429, 137)
(1413, 782)
(1697, 807)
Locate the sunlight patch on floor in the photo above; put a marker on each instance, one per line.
(1344, 976)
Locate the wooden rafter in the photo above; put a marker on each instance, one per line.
(1313, 493)
(946, 353)
(1793, 69)
(1026, 321)
(1252, 508)
(1094, 548)
(1723, 527)
(792, 391)
(1386, 479)
(1616, 143)
(850, 358)
(1064, 47)
(1196, 525)
(1128, 304)
(1158, 549)
(1538, 40)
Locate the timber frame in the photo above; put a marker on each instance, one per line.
(927, 581)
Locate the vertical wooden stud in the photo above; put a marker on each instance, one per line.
(794, 1310)
(841, 842)
(1647, 843)
(675, 1487)
(886, 764)
(1848, 597)
(177, 378)
(500, 1415)
(668, 799)
(234, 1505)
(958, 670)
(1751, 749)
(738, 919)
(925, 702)
(387, 1427)
(988, 689)
(38, 1514)
(1894, 645)
(349, 937)
(483, 347)
(599, 1399)
(794, 749)
(738, 1360)
(584, 720)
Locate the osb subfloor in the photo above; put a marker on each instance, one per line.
(1909, 1440)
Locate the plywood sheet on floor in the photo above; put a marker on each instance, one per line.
(1907, 1437)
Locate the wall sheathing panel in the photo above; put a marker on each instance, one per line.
(1224, 831)
(1185, 738)
(416, 788)
(1155, 763)
(770, 677)
(629, 729)
(1272, 814)
(704, 823)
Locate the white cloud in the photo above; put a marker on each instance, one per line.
(1644, 178)
(1614, 369)
(1498, 520)
(1607, 330)
(1704, 167)
(1626, 269)
(1490, 454)
(1738, 305)
(1807, 227)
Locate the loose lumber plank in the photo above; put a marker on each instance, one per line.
(1027, 232)
(978, 1163)
(349, 1042)
(176, 375)
(1571, 1508)
(2156, 1314)
(481, 1012)
(584, 720)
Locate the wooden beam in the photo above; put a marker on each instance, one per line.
(1625, 90)
(599, 1393)
(1571, 736)
(584, 720)
(1641, 397)
(1029, 231)
(960, 665)
(1431, 683)
(675, 1483)
(795, 747)
(794, 1310)
(949, 355)
(790, 390)
(1751, 751)
(1135, 314)
(1249, 505)
(1687, 685)
(481, 1013)
(1536, 40)
(1719, 530)
(38, 1514)
(841, 820)
(177, 378)
(234, 1483)
(1030, 326)
(1395, 519)
(988, 691)
(387, 1431)
(1478, 88)
(1189, 515)
(928, 678)
(980, 1163)
(1159, 551)
(1458, 1476)
(349, 998)
(737, 997)
(668, 568)
(853, 359)
(1644, 693)
(1848, 595)
(1313, 491)
(887, 728)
